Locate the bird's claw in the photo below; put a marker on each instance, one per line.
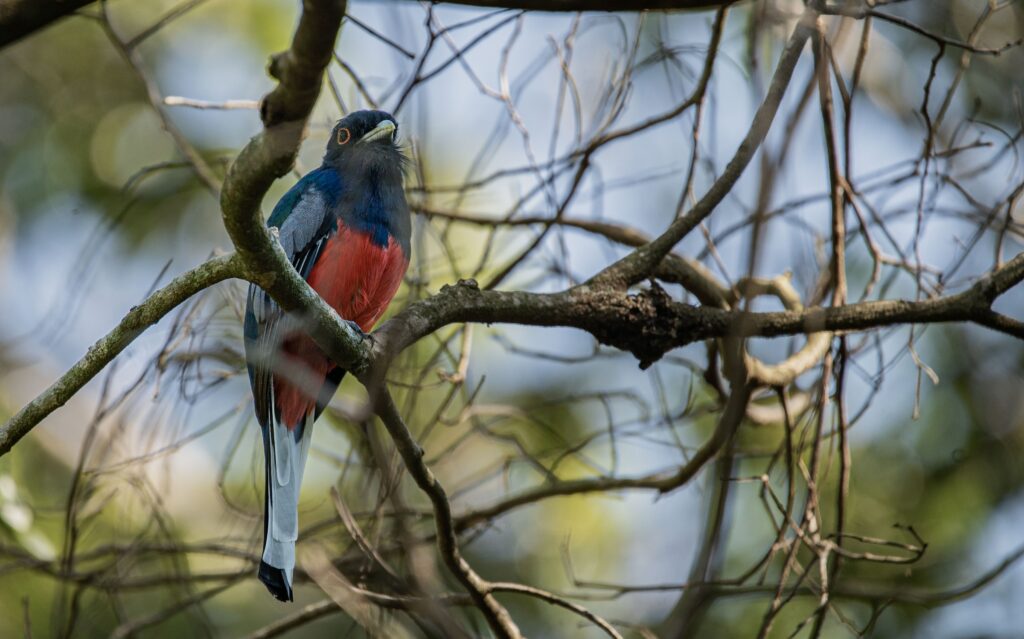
(357, 329)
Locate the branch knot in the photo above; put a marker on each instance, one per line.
(661, 322)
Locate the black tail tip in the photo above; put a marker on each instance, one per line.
(276, 581)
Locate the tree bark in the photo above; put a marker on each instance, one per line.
(19, 18)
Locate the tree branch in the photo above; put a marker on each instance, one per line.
(270, 155)
(641, 262)
(138, 319)
(649, 323)
(665, 482)
(480, 590)
(19, 18)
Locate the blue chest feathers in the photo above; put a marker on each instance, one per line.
(374, 204)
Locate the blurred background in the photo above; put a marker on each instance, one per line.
(135, 510)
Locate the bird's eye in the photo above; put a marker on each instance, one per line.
(344, 135)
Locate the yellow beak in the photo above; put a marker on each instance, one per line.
(385, 128)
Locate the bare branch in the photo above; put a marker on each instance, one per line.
(479, 589)
(638, 264)
(865, 11)
(227, 105)
(138, 319)
(649, 323)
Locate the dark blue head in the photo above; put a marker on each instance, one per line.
(364, 136)
(363, 151)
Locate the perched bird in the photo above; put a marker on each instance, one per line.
(345, 227)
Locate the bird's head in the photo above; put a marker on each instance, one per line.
(364, 136)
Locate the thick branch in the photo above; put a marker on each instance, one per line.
(647, 324)
(650, 323)
(270, 155)
(284, 111)
(19, 18)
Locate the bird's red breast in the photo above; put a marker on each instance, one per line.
(358, 278)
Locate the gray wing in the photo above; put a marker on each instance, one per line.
(303, 234)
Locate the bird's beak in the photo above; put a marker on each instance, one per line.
(386, 128)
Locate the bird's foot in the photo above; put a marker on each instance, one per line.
(357, 329)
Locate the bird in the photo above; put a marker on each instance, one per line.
(346, 229)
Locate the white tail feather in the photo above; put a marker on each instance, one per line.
(288, 462)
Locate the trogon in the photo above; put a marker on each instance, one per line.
(345, 227)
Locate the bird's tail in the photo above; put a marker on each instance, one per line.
(285, 452)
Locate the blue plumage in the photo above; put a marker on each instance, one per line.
(325, 180)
